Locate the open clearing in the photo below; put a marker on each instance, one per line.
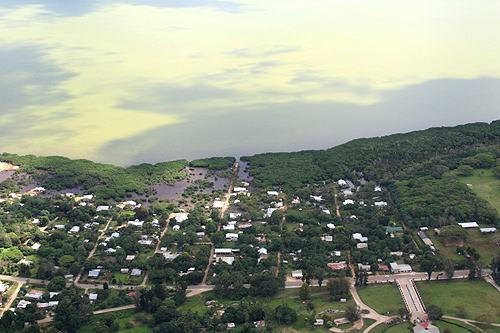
(382, 298)
(485, 185)
(479, 299)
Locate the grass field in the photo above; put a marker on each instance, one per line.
(455, 326)
(399, 328)
(488, 328)
(382, 298)
(485, 185)
(123, 317)
(479, 299)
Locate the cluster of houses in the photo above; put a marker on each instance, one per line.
(35, 296)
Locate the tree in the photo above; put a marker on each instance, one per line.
(434, 312)
(449, 267)
(57, 283)
(285, 314)
(320, 274)
(304, 292)
(428, 266)
(453, 233)
(464, 170)
(353, 313)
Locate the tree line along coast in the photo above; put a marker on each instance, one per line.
(262, 243)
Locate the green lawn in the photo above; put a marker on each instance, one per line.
(488, 328)
(382, 298)
(485, 185)
(455, 326)
(479, 299)
(123, 317)
(399, 328)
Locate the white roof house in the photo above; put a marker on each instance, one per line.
(136, 223)
(234, 215)
(272, 193)
(227, 260)
(240, 189)
(136, 272)
(342, 182)
(359, 237)
(223, 251)
(377, 188)
(35, 246)
(381, 204)
(218, 204)
(181, 217)
(231, 236)
(102, 208)
(326, 211)
(75, 229)
(145, 241)
(297, 274)
(228, 227)
(130, 257)
(349, 202)
(317, 198)
(331, 226)
(262, 251)
(469, 225)
(269, 212)
(176, 227)
(487, 230)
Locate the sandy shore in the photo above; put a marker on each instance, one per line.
(7, 167)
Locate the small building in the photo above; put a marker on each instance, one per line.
(59, 226)
(297, 274)
(263, 251)
(364, 267)
(35, 294)
(330, 226)
(269, 212)
(35, 246)
(94, 273)
(233, 216)
(130, 257)
(403, 268)
(272, 193)
(145, 241)
(341, 321)
(362, 245)
(487, 230)
(181, 217)
(136, 223)
(393, 230)
(348, 202)
(231, 237)
(22, 304)
(176, 227)
(319, 322)
(469, 225)
(337, 265)
(223, 251)
(102, 208)
(384, 268)
(92, 297)
(359, 237)
(227, 260)
(136, 272)
(381, 204)
(394, 267)
(218, 204)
